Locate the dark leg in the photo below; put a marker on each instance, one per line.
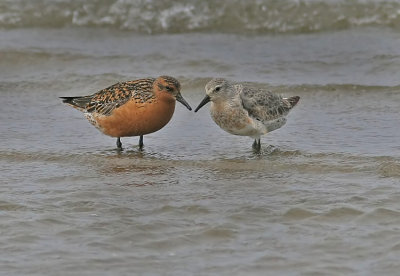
(141, 142)
(257, 145)
(119, 144)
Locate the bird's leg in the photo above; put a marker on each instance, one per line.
(141, 142)
(119, 144)
(257, 145)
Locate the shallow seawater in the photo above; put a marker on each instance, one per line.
(322, 198)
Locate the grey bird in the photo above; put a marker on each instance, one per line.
(246, 111)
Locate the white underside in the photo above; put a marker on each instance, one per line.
(257, 128)
(230, 116)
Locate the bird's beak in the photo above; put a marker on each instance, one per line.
(180, 99)
(203, 102)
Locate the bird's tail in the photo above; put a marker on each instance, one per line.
(68, 100)
(77, 102)
(293, 100)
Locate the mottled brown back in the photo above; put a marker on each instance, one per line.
(110, 98)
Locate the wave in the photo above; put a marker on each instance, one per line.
(182, 16)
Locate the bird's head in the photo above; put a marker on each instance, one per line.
(170, 85)
(217, 89)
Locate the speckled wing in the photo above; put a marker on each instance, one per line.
(110, 98)
(263, 105)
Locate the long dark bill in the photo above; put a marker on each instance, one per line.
(203, 102)
(180, 99)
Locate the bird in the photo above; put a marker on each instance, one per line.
(243, 110)
(131, 108)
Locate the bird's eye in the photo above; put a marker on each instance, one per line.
(217, 88)
(168, 88)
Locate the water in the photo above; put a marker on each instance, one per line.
(322, 198)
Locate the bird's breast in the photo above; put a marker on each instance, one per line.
(233, 119)
(135, 118)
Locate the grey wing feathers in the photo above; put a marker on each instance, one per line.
(264, 105)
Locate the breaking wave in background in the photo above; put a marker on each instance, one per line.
(235, 16)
